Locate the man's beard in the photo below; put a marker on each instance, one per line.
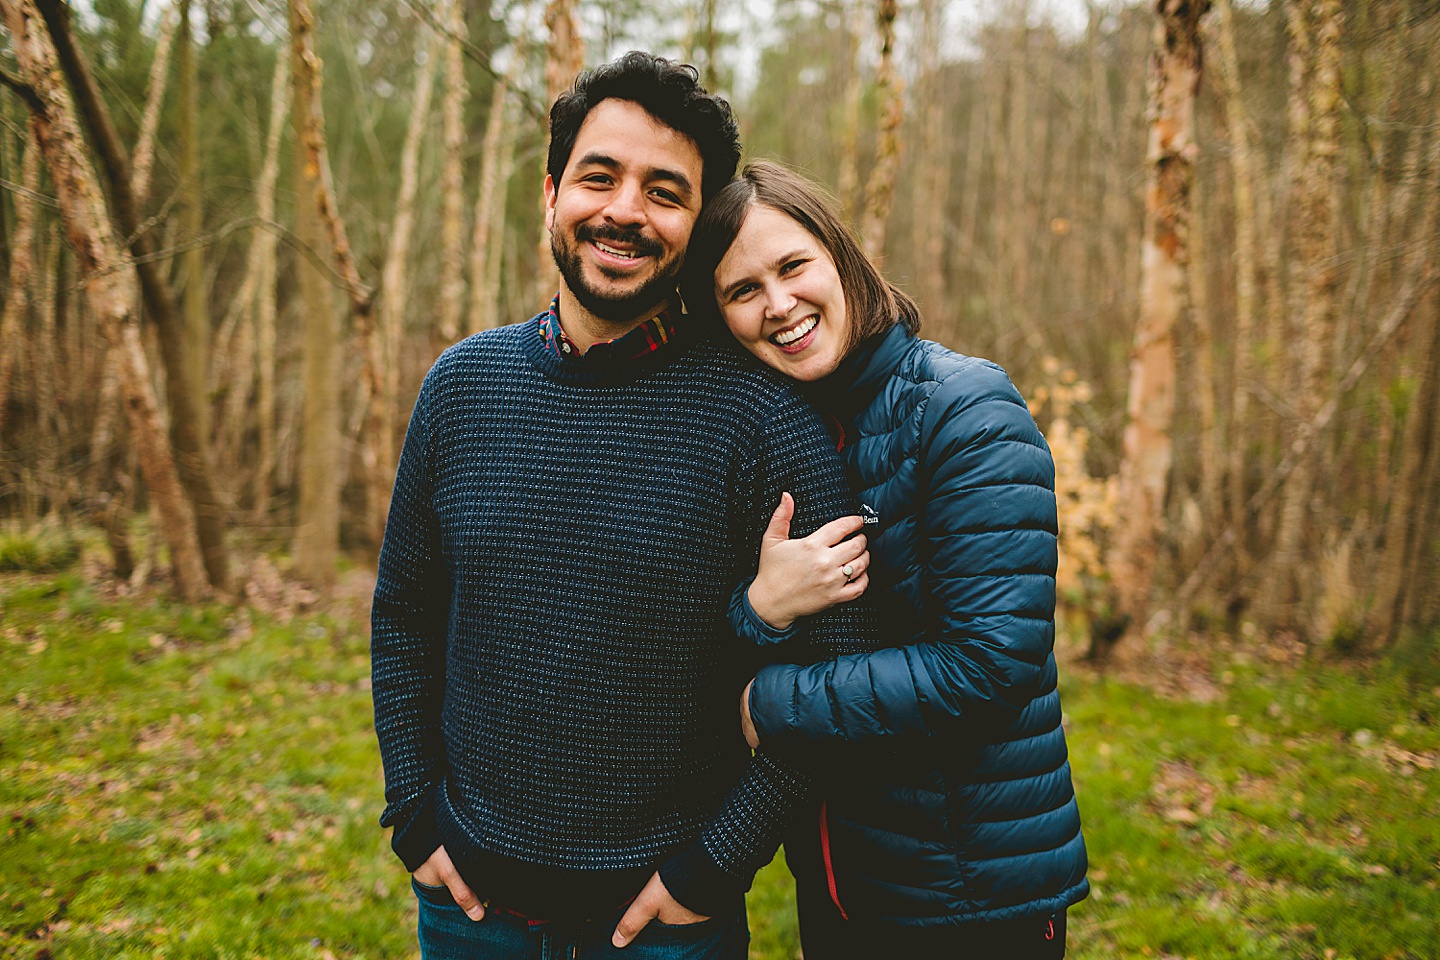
(616, 309)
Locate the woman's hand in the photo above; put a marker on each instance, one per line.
(801, 577)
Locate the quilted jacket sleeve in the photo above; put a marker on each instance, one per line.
(987, 525)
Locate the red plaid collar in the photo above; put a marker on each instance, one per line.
(646, 338)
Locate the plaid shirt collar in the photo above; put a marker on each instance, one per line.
(646, 338)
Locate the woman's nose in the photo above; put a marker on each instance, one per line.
(778, 302)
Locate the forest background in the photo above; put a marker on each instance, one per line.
(1201, 237)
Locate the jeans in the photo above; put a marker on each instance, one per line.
(446, 933)
(825, 935)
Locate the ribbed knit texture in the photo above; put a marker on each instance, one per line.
(556, 691)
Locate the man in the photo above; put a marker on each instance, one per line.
(577, 498)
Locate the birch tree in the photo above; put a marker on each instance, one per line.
(452, 177)
(890, 91)
(192, 453)
(1315, 256)
(383, 350)
(109, 286)
(1175, 71)
(22, 254)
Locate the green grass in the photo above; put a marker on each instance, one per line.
(203, 782)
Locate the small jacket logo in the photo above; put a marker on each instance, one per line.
(868, 515)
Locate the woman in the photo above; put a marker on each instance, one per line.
(948, 825)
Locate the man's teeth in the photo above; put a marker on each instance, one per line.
(627, 254)
(787, 337)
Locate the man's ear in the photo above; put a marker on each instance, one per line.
(549, 203)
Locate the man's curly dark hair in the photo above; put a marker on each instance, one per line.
(668, 91)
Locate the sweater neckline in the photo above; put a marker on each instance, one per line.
(585, 371)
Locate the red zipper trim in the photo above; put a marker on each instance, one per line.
(829, 867)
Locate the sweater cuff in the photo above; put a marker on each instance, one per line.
(417, 838)
(748, 624)
(697, 882)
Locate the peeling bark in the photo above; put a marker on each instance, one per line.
(1147, 445)
(109, 285)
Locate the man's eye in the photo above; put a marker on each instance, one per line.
(665, 196)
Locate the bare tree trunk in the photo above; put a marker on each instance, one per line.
(496, 160)
(1206, 387)
(382, 354)
(263, 250)
(1315, 256)
(1246, 178)
(564, 58)
(154, 97)
(848, 181)
(931, 174)
(452, 179)
(1145, 468)
(192, 455)
(1405, 540)
(248, 356)
(109, 286)
(317, 524)
(192, 218)
(22, 254)
(890, 91)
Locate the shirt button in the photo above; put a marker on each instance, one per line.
(565, 347)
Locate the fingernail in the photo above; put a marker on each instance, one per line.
(618, 940)
(476, 912)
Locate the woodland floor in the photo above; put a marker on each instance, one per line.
(204, 782)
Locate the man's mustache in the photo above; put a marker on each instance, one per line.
(633, 239)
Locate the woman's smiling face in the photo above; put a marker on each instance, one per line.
(781, 297)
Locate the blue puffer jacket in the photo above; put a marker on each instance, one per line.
(949, 798)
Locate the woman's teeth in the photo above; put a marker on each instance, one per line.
(787, 337)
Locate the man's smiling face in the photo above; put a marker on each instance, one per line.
(621, 215)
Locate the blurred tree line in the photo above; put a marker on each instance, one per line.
(1200, 236)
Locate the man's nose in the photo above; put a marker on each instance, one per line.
(627, 205)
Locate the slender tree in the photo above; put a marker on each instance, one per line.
(452, 177)
(383, 350)
(109, 286)
(564, 58)
(192, 216)
(192, 454)
(1315, 249)
(154, 97)
(22, 253)
(1175, 71)
(890, 91)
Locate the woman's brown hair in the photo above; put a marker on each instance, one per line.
(871, 301)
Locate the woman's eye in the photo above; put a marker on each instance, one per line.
(743, 291)
(792, 266)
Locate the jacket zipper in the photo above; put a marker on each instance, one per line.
(829, 867)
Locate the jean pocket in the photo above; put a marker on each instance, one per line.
(438, 896)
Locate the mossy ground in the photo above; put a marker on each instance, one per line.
(203, 782)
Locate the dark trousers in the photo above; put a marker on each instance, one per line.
(447, 934)
(826, 935)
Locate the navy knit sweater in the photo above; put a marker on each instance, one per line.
(556, 689)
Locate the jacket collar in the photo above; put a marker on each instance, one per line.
(865, 369)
